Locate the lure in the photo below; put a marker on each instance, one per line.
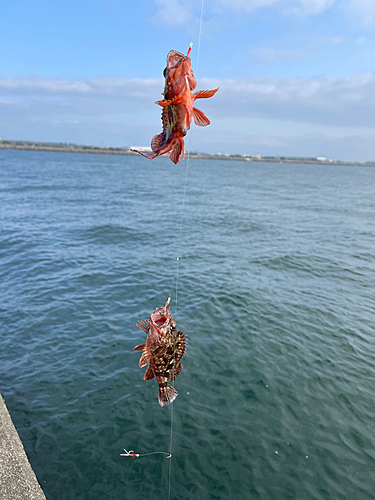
(132, 454)
(129, 454)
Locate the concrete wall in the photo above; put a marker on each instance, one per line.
(17, 479)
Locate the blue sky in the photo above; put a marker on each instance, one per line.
(296, 77)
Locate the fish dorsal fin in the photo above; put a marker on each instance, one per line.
(205, 94)
(200, 118)
(144, 325)
(157, 141)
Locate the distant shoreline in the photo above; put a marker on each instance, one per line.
(12, 145)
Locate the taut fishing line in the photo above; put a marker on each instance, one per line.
(179, 245)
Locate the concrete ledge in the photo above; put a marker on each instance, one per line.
(17, 479)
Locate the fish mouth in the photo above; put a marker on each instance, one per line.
(160, 317)
(174, 59)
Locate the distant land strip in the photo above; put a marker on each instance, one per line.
(125, 151)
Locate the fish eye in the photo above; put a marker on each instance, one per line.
(165, 72)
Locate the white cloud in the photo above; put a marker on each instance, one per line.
(317, 99)
(247, 5)
(339, 101)
(264, 55)
(68, 122)
(293, 7)
(173, 12)
(361, 9)
(333, 40)
(312, 7)
(35, 86)
(276, 114)
(176, 13)
(43, 84)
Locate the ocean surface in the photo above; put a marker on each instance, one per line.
(275, 286)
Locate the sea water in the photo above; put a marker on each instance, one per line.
(275, 288)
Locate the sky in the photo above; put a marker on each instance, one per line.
(296, 77)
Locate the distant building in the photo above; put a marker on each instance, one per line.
(145, 149)
(321, 158)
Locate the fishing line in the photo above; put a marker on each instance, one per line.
(170, 454)
(199, 39)
(178, 260)
(187, 163)
(175, 279)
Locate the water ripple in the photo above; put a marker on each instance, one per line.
(276, 293)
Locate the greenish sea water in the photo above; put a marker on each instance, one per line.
(276, 290)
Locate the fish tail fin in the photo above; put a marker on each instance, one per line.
(167, 395)
(178, 149)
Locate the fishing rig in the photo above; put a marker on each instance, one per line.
(131, 453)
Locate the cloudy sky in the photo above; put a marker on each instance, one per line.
(296, 77)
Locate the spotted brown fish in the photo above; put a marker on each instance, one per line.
(163, 351)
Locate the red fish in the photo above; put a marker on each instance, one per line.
(163, 351)
(178, 108)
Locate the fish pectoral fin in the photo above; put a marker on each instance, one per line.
(144, 325)
(164, 103)
(205, 94)
(139, 347)
(156, 143)
(149, 374)
(145, 358)
(200, 118)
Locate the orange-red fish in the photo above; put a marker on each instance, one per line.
(163, 351)
(178, 108)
